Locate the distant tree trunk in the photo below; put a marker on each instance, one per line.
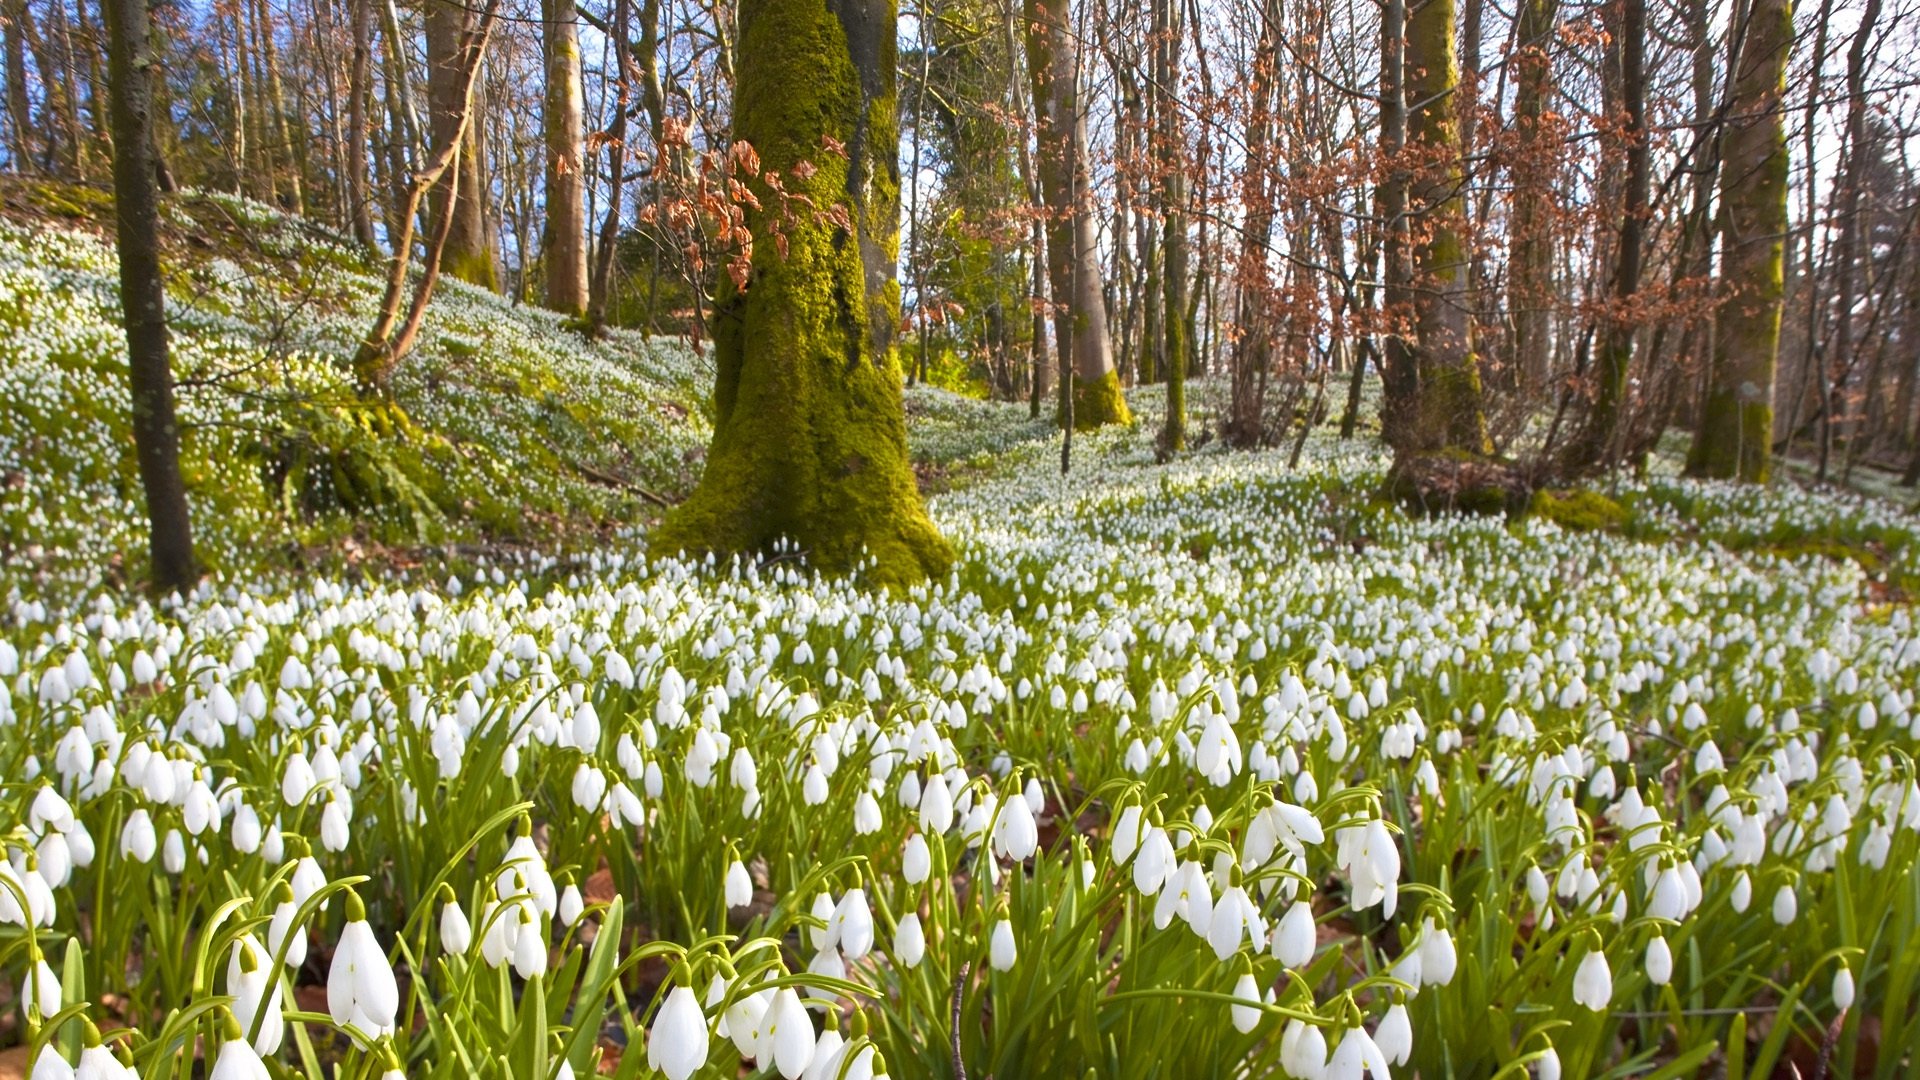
(143, 295)
(19, 112)
(1597, 440)
(1852, 230)
(1400, 375)
(1253, 348)
(565, 243)
(1449, 412)
(1529, 250)
(359, 186)
(1736, 429)
(1073, 248)
(1171, 146)
(391, 337)
(276, 107)
(469, 253)
(809, 439)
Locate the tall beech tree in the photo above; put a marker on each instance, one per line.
(143, 293)
(1735, 438)
(469, 248)
(810, 439)
(564, 240)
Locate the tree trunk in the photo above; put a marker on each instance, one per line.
(469, 253)
(143, 296)
(564, 244)
(1253, 347)
(1073, 249)
(1736, 429)
(1597, 440)
(20, 146)
(359, 186)
(1171, 145)
(1852, 231)
(809, 440)
(1400, 375)
(1449, 411)
(1529, 250)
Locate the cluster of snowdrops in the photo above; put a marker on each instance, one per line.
(1349, 793)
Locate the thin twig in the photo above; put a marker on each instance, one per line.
(959, 988)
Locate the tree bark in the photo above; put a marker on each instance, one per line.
(1529, 249)
(1449, 413)
(565, 240)
(1073, 249)
(469, 254)
(143, 296)
(19, 112)
(1597, 440)
(1735, 439)
(359, 186)
(1253, 348)
(809, 438)
(1400, 376)
(1170, 144)
(1852, 231)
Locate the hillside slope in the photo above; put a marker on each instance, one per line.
(510, 426)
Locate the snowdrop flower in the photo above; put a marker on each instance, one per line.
(237, 1060)
(851, 925)
(41, 988)
(137, 839)
(1294, 938)
(1843, 988)
(916, 861)
(1002, 952)
(1786, 905)
(256, 993)
(739, 886)
(1593, 980)
(571, 905)
(360, 986)
(786, 1035)
(1303, 1051)
(909, 939)
(1394, 1036)
(98, 1063)
(456, 933)
(677, 1044)
(281, 932)
(1246, 1017)
(49, 1065)
(1659, 961)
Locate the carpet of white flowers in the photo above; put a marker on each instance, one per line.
(513, 417)
(1212, 769)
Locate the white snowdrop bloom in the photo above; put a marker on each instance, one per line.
(529, 945)
(677, 1044)
(1154, 861)
(98, 1063)
(936, 805)
(1593, 981)
(1438, 959)
(852, 924)
(296, 779)
(738, 886)
(1786, 905)
(1246, 1017)
(1355, 1057)
(786, 1035)
(916, 860)
(571, 905)
(1547, 1065)
(1128, 830)
(909, 939)
(256, 993)
(137, 839)
(334, 830)
(456, 933)
(1236, 919)
(238, 1061)
(1294, 938)
(1015, 835)
(1303, 1051)
(361, 991)
(1394, 1035)
(1742, 893)
(1002, 951)
(282, 934)
(1659, 961)
(1843, 988)
(40, 989)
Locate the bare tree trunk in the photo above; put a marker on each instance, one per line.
(19, 112)
(565, 242)
(143, 296)
(602, 285)
(1073, 250)
(1530, 252)
(385, 345)
(1736, 431)
(1852, 229)
(1400, 374)
(1253, 347)
(359, 188)
(452, 101)
(1598, 440)
(1171, 145)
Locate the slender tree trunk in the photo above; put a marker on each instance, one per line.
(600, 293)
(143, 296)
(1598, 439)
(20, 128)
(359, 93)
(1400, 373)
(1852, 230)
(1736, 431)
(809, 440)
(469, 255)
(1073, 249)
(1253, 347)
(1450, 415)
(565, 242)
(1529, 251)
(1170, 144)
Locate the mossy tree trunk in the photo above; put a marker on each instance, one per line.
(1399, 375)
(143, 295)
(1735, 439)
(469, 248)
(809, 436)
(1449, 415)
(1073, 246)
(564, 247)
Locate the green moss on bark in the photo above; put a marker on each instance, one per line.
(810, 437)
(1098, 402)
